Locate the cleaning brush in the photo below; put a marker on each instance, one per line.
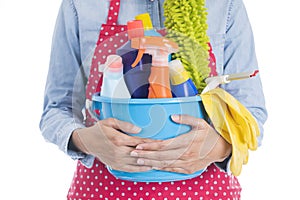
(186, 24)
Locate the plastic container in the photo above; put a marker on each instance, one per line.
(135, 78)
(181, 84)
(147, 23)
(153, 116)
(113, 83)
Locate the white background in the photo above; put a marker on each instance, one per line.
(30, 168)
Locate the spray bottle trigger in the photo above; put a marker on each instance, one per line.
(138, 57)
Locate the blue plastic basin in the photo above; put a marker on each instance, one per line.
(154, 117)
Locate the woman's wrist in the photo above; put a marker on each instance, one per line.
(224, 165)
(75, 143)
(225, 154)
(223, 149)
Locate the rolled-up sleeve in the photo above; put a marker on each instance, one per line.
(65, 87)
(240, 56)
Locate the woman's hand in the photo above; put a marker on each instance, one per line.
(109, 145)
(186, 153)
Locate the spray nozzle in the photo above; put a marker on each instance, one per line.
(158, 47)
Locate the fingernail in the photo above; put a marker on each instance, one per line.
(134, 154)
(139, 147)
(136, 129)
(140, 162)
(175, 117)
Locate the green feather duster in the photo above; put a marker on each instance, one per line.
(185, 21)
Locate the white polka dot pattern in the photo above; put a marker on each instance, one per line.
(212, 62)
(98, 183)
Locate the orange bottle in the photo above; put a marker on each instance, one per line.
(159, 48)
(159, 83)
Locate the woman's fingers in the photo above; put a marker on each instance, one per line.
(195, 123)
(121, 125)
(157, 155)
(157, 164)
(118, 138)
(178, 166)
(180, 142)
(130, 165)
(158, 145)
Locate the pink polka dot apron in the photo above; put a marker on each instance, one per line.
(97, 183)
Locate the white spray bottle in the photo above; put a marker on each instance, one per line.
(113, 82)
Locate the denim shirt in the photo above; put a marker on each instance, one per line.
(75, 35)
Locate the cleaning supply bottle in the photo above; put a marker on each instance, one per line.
(148, 27)
(136, 78)
(181, 84)
(113, 83)
(147, 23)
(159, 48)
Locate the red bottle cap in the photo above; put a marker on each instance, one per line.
(114, 63)
(135, 29)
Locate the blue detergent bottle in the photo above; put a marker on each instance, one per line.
(147, 23)
(113, 83)
(181, 84)
(135, 78)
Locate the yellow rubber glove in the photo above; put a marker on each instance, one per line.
(234, 122)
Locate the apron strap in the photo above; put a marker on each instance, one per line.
(113, 12)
